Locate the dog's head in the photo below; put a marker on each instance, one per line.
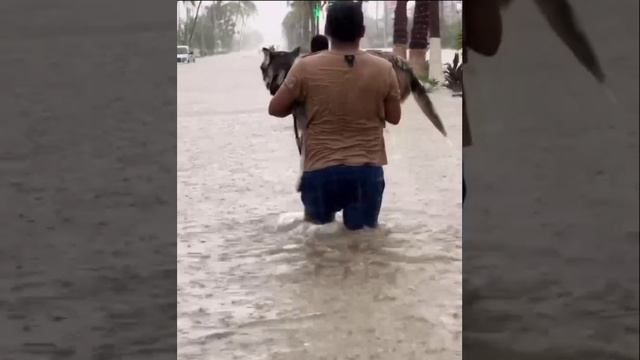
(275, 66)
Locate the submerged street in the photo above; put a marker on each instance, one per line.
(255, 282)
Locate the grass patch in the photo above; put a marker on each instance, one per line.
(433, 82)
(425, 79)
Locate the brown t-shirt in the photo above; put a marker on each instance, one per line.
(344, 106)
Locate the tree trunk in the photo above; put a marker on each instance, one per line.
(377, 17)
(400, 29)
(215, 35)
(316, 19)
(179, 23)
(306, 37)
(195, 22)
(435, 52)
(314, 26)
(419, 38)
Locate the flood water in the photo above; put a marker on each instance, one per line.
(551, 219)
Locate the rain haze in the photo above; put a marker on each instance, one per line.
(270, 14)
(269, 21)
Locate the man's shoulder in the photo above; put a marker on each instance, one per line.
(313, 54)
(312, 57)
(312, 61)
(306, 59)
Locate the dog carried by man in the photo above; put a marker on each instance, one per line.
(276, 65)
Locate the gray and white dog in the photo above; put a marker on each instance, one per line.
(276, 65)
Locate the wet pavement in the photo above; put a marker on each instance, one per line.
(255, 282)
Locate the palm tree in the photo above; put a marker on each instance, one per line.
(292, 26)
(221, 19)
(419, 38)
(453, 76)
(195, 21)
(242, 10)
(400, 29)
(300, 23)
(300, 27)
(458, 40)
(377, 22)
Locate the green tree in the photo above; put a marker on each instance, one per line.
(452, 35)
(222, 16)
(214, 28)
(195, 21)
(242, 10)
(300, 23)
(291, 28)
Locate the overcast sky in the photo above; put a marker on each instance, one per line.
(268, 20)
(270, 16)
(271, 13)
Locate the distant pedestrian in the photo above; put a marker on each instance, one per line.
(344, 148)
(319, 43)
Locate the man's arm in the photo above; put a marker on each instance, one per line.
(392, 110)
(282, 102)
(482, 26)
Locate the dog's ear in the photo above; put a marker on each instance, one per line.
(267, 57)
(295, 52)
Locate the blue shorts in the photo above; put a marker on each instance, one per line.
(356, 190)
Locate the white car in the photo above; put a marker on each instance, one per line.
(185, 55)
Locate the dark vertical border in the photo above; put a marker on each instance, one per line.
(550, 222)
(88, 180)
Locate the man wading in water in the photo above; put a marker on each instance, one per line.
(349, 95)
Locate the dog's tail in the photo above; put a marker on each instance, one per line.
(421, 97)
